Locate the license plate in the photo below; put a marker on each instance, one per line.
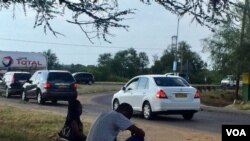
(180, 95)
(62, 86)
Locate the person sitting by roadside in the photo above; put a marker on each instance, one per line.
(74, 123)
(108, 125)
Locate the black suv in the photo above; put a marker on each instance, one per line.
(12, 83)
(84, 77)
(50, 85)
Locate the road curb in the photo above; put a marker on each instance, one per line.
(224, 109)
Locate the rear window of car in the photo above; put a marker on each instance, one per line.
(60, 76)
(170, 81)
(22, 76)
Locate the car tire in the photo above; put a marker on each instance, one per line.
(147, 111)
(54, 101)
(24, 97)
(188, 116)
(7, 93)
(115, 104)
(40, 100)
(90, 82)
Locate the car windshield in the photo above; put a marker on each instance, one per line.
(22, 76)
(60, 76)
(170, 81)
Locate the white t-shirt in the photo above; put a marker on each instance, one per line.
(107, 126)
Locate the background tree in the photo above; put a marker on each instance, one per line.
(143, 62)
(189, 63)
(229, 46)
(125, 64)
(105, 65)
(52, 59)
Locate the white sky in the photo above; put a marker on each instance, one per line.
(151, 27)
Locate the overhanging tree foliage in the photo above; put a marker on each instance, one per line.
(96, 17)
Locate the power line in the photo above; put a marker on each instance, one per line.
(76, 45)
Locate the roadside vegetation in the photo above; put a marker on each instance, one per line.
(30, 125)
(98, 88)
(218, 98)
(223, 98)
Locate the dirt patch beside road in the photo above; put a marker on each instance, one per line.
(166, 133)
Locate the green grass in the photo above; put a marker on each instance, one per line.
(97, 88)
(222, 98)
(30, 125)
(219, 98)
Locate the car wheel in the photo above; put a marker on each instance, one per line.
(40, 100)
(188, 116)
(24, 98)
(54, 101)
(147, 111)
(7, 93)
(115, 104)
(90, 82)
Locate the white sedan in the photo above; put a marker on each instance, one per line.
(159, 94)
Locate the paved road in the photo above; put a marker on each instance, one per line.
(205, 120)
(210, 121)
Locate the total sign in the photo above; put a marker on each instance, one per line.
(22, 60)
(7, 61)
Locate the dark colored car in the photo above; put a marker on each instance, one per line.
(12, 82)
(50, 85)
(84, 77)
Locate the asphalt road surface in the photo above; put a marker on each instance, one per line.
(204, 120)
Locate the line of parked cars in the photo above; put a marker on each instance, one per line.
(43, 85)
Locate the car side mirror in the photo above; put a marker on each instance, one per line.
(29, 81)
(124, 88)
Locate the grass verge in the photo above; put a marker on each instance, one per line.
(97, 88)
(218, 98)
(29, 125)
(222, 98)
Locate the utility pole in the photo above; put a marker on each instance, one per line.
(175, 45)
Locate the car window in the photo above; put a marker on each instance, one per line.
(133, 84)
(60, 76)
(170, 81)
(143, 83)
(22, 76)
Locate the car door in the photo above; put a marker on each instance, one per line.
(128, 93)
(31, 85)
(140, 93)
(3, 83)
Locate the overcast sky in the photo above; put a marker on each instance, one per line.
(151, 29)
